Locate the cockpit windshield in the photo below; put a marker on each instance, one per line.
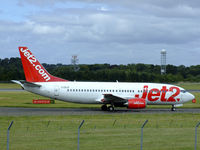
(183, 91)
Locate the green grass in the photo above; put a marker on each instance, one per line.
(163, 131)
(9, 86)
(24, 99)
(189, 86)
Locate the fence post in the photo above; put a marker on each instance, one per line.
(79, 134)
(8, 135)
(141, 140)
(195, 146)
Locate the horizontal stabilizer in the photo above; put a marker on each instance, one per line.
(25, 83)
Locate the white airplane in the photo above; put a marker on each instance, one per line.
(114, 94)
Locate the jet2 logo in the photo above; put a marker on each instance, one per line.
(35, 64)
(156, 94)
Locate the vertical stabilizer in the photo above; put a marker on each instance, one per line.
(34, 71)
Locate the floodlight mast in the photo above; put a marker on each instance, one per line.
(163, 61)
(74, 62)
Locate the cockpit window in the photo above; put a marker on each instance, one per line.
(183, 91)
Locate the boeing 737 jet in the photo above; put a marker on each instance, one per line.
(107, 94)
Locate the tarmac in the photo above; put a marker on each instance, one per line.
(18, 111)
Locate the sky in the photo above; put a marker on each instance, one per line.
(102, 31)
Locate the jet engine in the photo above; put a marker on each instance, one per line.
(136, 103)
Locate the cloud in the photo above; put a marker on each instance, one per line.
(38, 2)
(96, 26)
(44, 29)
(103, 31)
(127, 3)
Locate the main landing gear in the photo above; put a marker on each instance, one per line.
(173, 108)
(109, 108)
(104, 107)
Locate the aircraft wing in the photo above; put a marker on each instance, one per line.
(110, 98)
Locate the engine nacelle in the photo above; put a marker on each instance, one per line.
(136, 103)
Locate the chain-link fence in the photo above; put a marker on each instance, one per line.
(107, 134)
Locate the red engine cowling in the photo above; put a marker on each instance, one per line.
(136, 103)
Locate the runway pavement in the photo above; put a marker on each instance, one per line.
(13, 111)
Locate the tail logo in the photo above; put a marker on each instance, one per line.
(36, 66)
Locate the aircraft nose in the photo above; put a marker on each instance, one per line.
(190, 97)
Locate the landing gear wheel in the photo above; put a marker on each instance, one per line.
(104, 107)
(173, 108)
(111, 108)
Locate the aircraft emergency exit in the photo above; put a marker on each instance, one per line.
(108, 94)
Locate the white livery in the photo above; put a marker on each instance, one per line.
(114, 94)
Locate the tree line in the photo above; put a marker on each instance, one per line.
(11, 68)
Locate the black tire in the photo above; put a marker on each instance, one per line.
(173, 108)
(104, 107)
(111, 108)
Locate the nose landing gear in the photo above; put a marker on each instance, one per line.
(173, 108)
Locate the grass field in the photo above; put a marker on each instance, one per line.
(108, 132)
(189, 86)
(9, 86)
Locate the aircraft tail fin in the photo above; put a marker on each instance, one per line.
(33, 70)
